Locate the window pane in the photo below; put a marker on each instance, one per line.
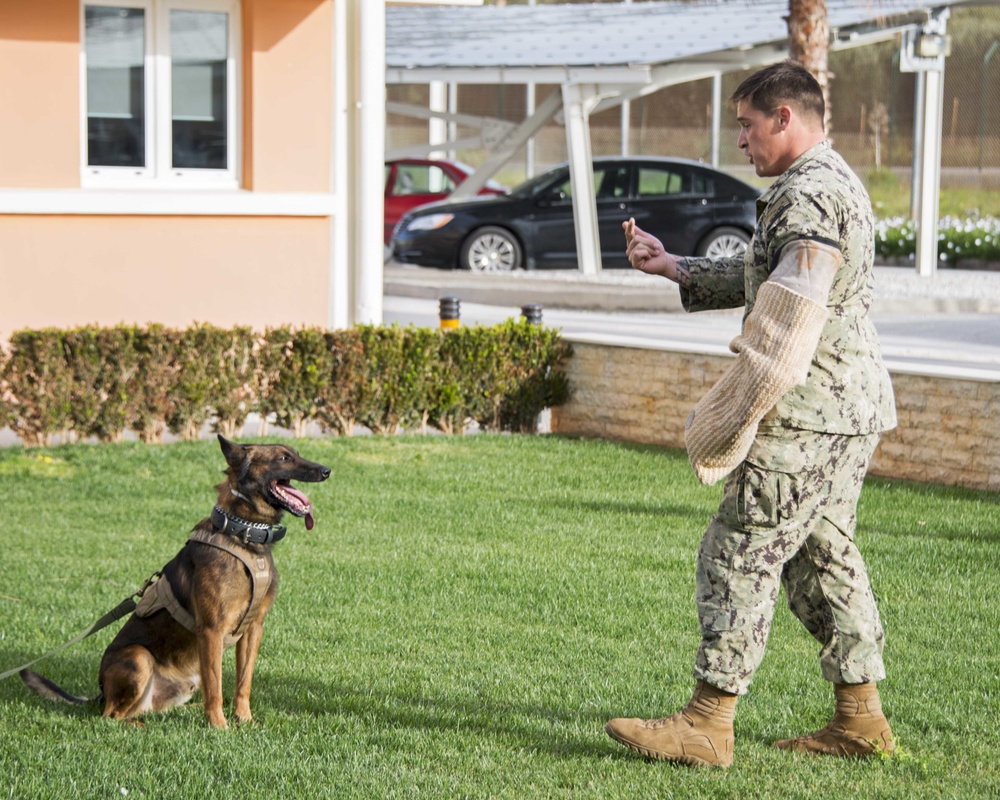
(422, 179)
(654, 181)
(703, 185)
(563, 191)
(614, 184)
(115, 45)
(198, 49)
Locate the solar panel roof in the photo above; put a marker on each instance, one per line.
(603, 35)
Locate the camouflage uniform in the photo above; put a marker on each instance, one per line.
(788, 512)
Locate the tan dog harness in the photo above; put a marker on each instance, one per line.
(160, 594)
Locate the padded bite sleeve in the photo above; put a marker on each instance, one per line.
(773, 355)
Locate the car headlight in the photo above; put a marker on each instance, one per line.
(429, 222)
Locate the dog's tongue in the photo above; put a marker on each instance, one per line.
(295, 501)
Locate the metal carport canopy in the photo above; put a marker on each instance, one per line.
(603, 54)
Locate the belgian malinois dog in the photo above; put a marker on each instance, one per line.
(214, 593)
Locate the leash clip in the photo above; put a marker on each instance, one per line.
(149, 582)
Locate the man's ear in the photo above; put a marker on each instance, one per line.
(784, 117)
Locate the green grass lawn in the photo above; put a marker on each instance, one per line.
(890, 197)
(465, 616)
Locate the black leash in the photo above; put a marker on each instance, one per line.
(124, 608)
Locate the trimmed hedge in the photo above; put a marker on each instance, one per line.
(94, 382)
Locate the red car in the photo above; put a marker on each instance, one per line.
(411, 182)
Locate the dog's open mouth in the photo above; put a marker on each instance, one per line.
(293, 500)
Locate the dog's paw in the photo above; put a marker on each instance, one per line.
(217, 721)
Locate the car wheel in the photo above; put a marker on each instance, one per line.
(490, 249)
(724, 242)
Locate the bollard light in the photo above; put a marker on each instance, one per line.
(532, 313)
(449, 312)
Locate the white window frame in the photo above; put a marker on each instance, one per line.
(158, 172)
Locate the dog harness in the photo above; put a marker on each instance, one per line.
(160, 594)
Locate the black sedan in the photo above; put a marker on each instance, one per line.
(692, 208)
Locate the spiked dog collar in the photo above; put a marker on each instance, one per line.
(255, 532)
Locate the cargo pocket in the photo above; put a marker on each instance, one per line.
(761, 495)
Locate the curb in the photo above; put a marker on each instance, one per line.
(619, 290)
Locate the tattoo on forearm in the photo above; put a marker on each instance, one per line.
(683, 272)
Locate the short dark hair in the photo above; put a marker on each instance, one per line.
(786, 83)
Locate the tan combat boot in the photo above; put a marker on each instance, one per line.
(858, 727)
(700, 735)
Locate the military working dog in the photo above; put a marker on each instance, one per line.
(213, 594)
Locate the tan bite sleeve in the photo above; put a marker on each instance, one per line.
(774, 352)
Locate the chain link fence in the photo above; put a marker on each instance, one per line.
(872, 113)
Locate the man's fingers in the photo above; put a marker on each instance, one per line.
(629, 228)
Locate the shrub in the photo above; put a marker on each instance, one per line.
(470, 371)
(968, 238)
(5, 398)
(957, 238)
(236, 385)
(153, 381)
(395, 386)
(338, 395)
(295, 366)
(449, 401)
(103, 363)
(101, 381)
(195, 354)
(533, 381)
(38, 386)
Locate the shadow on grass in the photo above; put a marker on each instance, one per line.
(557, 731)
(655, 510)
(65, 670)
(926, 511)
(533, 727)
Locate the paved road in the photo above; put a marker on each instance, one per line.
(950, 343)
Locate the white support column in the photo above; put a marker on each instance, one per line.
(924, 51)
(452, 125)
(529, 109)
(625, 126)
(916, 157)
(716, 117)
(366, 109)
(529, 146)
(625, 121)
(579, 100)
(339, 282)
(930, 175)
(437, 127)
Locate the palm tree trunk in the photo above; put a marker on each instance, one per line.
(809, 43)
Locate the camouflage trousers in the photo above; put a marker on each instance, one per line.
(787, 518)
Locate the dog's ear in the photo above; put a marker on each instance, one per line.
(232, 451)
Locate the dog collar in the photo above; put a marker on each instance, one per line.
(255, 532)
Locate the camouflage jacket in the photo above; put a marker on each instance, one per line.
(848, 390)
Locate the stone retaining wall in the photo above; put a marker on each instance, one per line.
(948, 432)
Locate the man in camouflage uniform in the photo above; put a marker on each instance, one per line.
(791, 427)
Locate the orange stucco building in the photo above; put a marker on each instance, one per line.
(184, 161)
